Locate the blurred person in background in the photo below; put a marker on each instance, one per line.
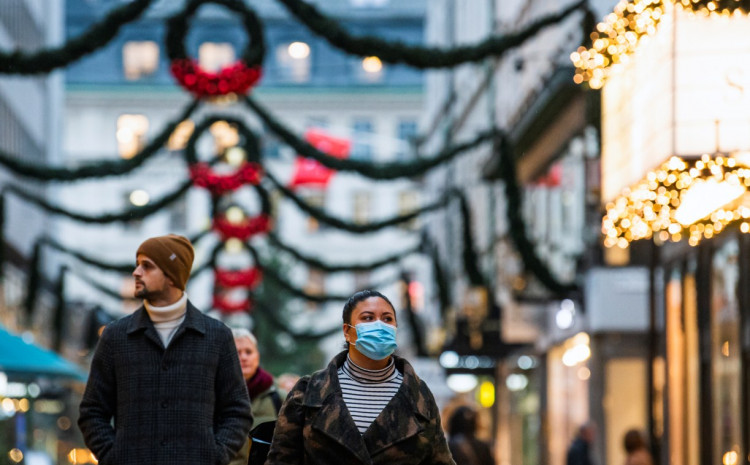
(264, 396)
(367, 407)
(165, 385)
(579, 452)
(466, 448)
(636, 448)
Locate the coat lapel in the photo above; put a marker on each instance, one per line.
(141, 322)
(332, 418)
(192, 321)
(402, 418)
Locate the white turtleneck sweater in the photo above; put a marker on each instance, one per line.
(167, 319)
(367, 392)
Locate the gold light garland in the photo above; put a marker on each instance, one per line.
(621, 32)
(615, 39)
(651, 207)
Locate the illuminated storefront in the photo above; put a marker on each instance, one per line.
(675, 174)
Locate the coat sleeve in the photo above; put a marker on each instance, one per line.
(99, 400)
(287, 447)
(441, 454)
(232, 418)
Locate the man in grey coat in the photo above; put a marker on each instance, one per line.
(168, 375)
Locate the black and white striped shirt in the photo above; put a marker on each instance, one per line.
(367, 392)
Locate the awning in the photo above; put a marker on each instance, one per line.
(19, 359)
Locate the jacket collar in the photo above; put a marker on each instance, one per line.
(142, 322)
(400, 419)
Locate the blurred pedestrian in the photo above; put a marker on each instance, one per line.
(636, 448)
(579, 452)
(165, 385)
(264, 396)
(367, 407)
(466, 448)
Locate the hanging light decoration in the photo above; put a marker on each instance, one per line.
(615, 39)
(623, 30)
(695, 199)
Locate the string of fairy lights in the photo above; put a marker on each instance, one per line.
(684, 198)
(618, 36)
(652, 208)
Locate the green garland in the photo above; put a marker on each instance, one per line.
(2, 236)
(178, 24)
(441, 281)
(417, 56)
(102, 265)
(379, 171)
(33, 282)
(99, 169)
(517, 227)
(125, 268)
(356, 228)
(469, 255)
(99, 35)
(135, 213)
(58, 316)
(274, 240)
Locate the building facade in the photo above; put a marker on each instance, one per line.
(119, 98)
(573, 342)
(35, 418)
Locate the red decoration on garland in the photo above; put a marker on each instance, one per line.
(309, 172)
(248, 278)
(226, 306)
(234, 79)
(203, 176)
(242, 231)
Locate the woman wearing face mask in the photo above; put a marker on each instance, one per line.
(368, 406)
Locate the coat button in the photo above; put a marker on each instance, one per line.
(164, 404)
(164, 442)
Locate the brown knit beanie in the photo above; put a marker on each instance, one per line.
(173, 254)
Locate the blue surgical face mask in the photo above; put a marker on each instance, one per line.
(375, 340)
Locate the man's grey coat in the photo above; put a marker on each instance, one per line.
(184, 404)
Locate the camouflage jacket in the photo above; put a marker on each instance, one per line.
(314, 425)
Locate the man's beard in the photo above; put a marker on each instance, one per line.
(145, 293)
(142, 293)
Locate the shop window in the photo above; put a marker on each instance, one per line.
(294, 61)
(140, 58)
(315, 285)
(361, 213)
(406, 131)
(213, 56)
(131, 134)
(683, 360)
(568, 394)
(408, 202)
(362, 136)
(315, 199)
(725, 355)
(626, 402)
